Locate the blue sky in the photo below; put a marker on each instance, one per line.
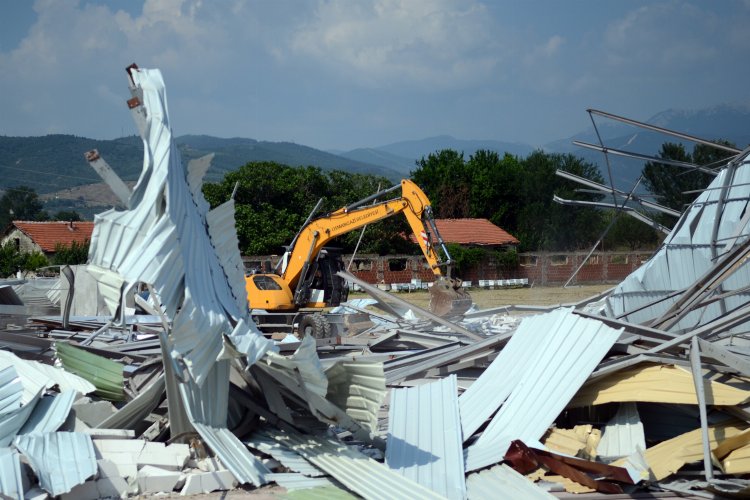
(342, 74)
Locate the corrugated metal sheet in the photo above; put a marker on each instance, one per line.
(359, 389)
(138, 408)
(104, 373)
(555, 369)
(361, 474)
(233, 454)
(670, 456)
(686, 255)
(49, 414)
(11, 485)
(36, 376)
(288, 458)
(424, 437)
(168, 239)
(502, 482)
(661, 384)
(61, 460)
(12, 421)
(623, 435)
(11, 390)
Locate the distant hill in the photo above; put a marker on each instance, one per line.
(233, 153)
(54, 162)
(730, 122)
(402, 156)
(379, 157)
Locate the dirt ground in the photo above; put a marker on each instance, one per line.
(486, 299)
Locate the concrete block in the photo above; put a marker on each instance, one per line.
(123, 453)
(94, 412)
(107, 468)
(155, 480)
(110, 433)
(206, 482)
(110, 487)
(172, 457)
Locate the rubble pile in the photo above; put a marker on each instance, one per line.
(155, 379)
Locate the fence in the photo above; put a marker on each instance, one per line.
(538, 268)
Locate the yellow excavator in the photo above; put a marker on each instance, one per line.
(308, 280)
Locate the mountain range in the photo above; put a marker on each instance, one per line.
(52, 163)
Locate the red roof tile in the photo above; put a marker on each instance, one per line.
(49, 234)
(472, 232)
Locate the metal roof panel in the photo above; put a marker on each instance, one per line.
(424, 437)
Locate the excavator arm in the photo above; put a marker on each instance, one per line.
(413, 203)
(292, 287)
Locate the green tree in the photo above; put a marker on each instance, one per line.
(11, 260)
(628, 233)
(73, 254)
(546, 225)
(20, 203)
(670, 182)
(273, 201)
(445, 179)
(67, 215)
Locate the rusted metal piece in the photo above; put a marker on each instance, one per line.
(524, 460)
(133, 102)
(92, 155)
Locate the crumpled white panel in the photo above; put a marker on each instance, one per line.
(167, 240)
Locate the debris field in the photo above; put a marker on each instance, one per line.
(153, 378)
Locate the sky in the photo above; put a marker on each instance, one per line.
(344, 74)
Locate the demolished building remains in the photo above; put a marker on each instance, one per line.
(154, 377)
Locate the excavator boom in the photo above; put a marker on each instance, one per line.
(448, 298)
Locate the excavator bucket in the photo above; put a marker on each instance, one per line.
(448, 299)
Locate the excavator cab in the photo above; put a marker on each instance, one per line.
(321, 286)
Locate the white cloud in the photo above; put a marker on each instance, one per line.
(663, 37)
(392, 42)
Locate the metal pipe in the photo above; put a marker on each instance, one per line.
(364, 201)
(601, 187)
(663, 130)
(639, 156)
(700, 394)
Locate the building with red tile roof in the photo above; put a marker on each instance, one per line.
(32, 236)
(473, 232)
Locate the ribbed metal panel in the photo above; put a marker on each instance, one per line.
(138, 408)
(502, 482)
(359, 389)
(49, 414)
(686, 256)
(11, 484)
(104, 373)
(424, 437)
(11, 390)
(288, 458)
(554, 371)
(361, 474)
(233, 454)
(164, 239)
(12, 421)
(296, 481)
(61, 460)
(36, 376)
(623, 435)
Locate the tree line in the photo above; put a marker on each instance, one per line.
(273, 200)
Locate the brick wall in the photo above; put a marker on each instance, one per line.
(540, 268)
